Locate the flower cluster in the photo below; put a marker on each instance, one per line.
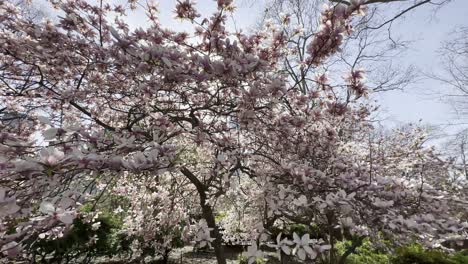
(335, 22)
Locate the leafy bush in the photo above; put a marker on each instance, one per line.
(244, 260)
(367, 253)
(461, 257)
(84, 241)
(416, 254)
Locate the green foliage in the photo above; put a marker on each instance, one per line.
(11, 228)
(84, 241)
(244, 260)
(108, 203)
(367, 253)
(220, 216)
(416, 254)
(461, 257)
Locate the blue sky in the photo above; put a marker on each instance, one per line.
(428, 30)
(424, 27)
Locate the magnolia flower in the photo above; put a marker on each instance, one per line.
(222, 157)
(44, 120)
(299, 31)
(8, 205)
(125, 142)
(50, 133)
(224, 3)
(93, 239)
(186, 9)
(27, 166)
(382, 203)
(253, 253)
(137, 161)
(118, 210)
(64, 216)
(347, 222)
(203, 234)
(11, 249)
(301, 201)
(303, 247)
(51, 156)
(283, 244)
(285, 18)
(323, 248)
(95, 226)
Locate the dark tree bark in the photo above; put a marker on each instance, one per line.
(208, 215)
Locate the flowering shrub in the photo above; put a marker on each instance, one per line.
(85, 241)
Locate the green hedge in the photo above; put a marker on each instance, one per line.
(416, 254)
(75, 243)
(367, 253)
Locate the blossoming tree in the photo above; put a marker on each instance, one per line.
(171, 119)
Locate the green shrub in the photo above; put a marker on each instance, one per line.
(367, 253)
(461, 257)
(76, 242)
(416, 254)
(244, 260)
(220, 216)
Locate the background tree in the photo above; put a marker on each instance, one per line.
(371, 44)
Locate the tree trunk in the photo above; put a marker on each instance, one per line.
(217, 243)
(208, 215)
